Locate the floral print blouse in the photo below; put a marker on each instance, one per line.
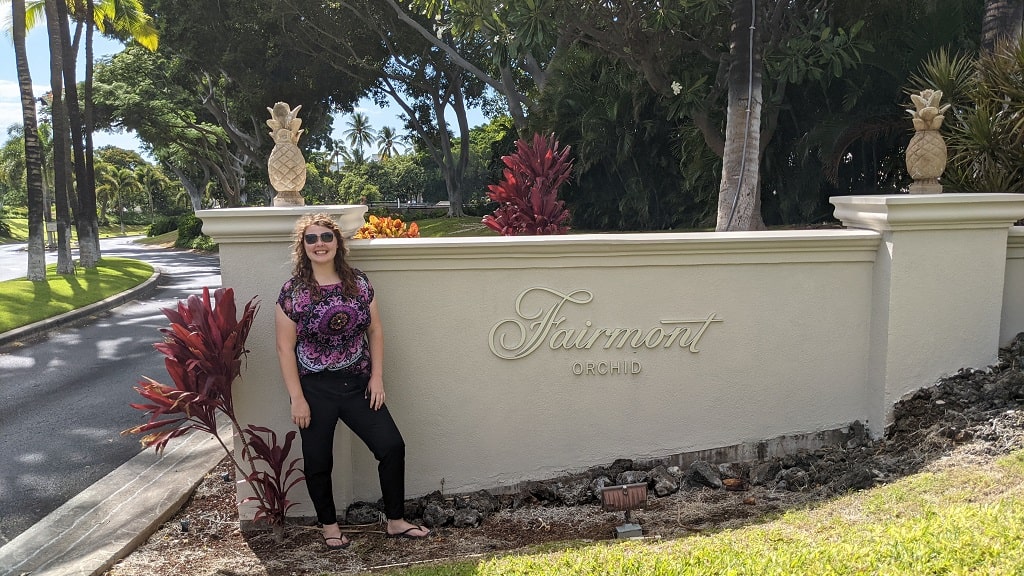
(331, 330)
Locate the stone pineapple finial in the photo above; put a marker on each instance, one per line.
(286, 167)
(926, 153)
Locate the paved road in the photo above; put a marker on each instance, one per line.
(64, 395)
(14, 258)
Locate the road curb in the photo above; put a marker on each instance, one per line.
(108, 520)
(143, 289)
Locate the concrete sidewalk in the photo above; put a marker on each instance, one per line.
(109, 519)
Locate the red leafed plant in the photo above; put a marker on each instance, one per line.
(528, 193)
(276, 481)
(203, 349)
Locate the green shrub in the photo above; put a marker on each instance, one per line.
(5, 229)
(480, 208)
(381, 212)
(189, 228)
(162, 225)
(204, 243)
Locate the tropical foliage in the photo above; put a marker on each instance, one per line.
(387, 227)
(203, 350)
(527, 195)
(652, 98)
(985, 127)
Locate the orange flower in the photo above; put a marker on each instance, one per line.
(388, 227)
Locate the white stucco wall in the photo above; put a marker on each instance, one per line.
(1013, 290)
(786, 356)
(811, 330)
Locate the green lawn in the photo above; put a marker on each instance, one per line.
(19, 230)
(18, 223)
(465, 226)
(965, 519)
(23, 302)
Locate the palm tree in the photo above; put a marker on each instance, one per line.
(46, 144)
(128, 186)
(121, 18)
(126, 19)
(12, 159)
(113, 187)
(356, 158)
(739, 197)
(151, 178)
(340, 156)
(387, 142)
(1001, 21)
(61, 142)
(359, 132)
(106, 188)
(33, 152)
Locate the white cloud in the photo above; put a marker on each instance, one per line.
(10, 113)
(10, 103)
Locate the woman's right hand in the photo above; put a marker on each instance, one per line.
(300, 413)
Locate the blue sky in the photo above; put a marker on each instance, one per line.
(39, 55)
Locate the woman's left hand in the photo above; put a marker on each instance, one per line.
(375, 392)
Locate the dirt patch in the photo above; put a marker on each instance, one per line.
(972, 416)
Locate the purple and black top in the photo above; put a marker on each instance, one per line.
(330, 332)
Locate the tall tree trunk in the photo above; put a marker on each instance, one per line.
(61, 146)
(87, 194)
(88, 239)
(33, 149)
(739, 198)
(84, 190)
(456, 187)
(194, 189)
(1002, 20)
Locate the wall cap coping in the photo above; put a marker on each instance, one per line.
(929, 211)
(603, 250)
(273, 224)
(1015, 243)
(627, 242)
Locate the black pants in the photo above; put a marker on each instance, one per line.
(332, 397)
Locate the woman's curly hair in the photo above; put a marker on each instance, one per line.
(303, 270)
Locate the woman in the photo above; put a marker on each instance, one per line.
(331, 349)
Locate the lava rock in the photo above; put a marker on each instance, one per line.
(435, 516)
(362, 513)
(663, 482)
(482, 501)
(795, 479)
(631, 477)
(703, 474)
(764, 472)
(466, 518)
(573, 492)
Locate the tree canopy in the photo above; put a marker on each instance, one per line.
(682, 114)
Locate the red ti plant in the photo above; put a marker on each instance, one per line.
(528, 193)
(203, 349)
(275, 481)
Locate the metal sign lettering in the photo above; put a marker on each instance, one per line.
(515, 338)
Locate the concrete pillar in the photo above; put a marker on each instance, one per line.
(255, 260)
(1013, 295)
(936, 248)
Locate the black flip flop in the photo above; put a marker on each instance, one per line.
(405, 533)
(344, 544)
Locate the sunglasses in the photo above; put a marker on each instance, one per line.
(323, 236)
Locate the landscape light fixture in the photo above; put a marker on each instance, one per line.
(625, 498)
